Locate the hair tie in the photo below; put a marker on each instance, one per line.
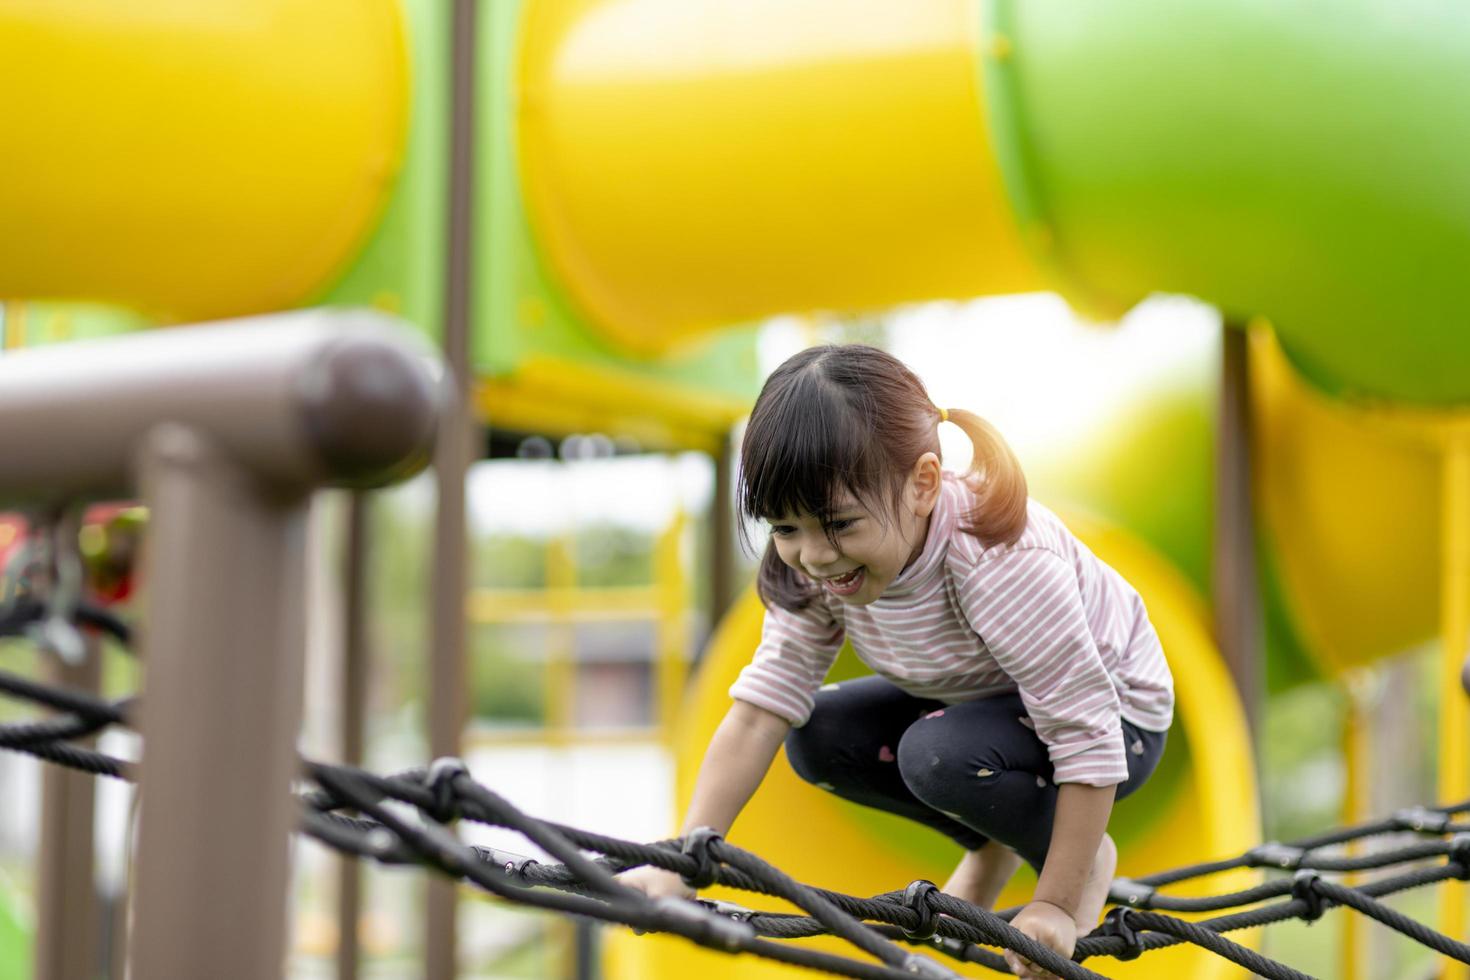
(944, 415)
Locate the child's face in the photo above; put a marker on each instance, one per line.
(856, 554)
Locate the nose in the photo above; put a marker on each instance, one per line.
(817, 552)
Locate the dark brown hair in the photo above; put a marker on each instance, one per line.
(852, 420)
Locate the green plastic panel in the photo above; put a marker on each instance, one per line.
(1303, 161)
(401, 267)
(522, 316)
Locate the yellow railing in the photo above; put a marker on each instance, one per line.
(563, 605)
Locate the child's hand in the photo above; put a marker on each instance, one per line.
(1049, 925)
(656, 883)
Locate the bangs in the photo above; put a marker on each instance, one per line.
(832, 425)
(806, 447)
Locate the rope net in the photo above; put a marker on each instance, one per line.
(408, 819)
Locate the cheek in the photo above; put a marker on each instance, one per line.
(895, 553)
(785, 550)
(876, 545)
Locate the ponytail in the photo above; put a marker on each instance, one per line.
(995, 475)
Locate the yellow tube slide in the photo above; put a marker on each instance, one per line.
(1350, 503)
(687, 165)
(1203, 808)
(194, 160)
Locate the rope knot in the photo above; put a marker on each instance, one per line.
(1421, 820)
(728, 909)
(696, 845)
(440, 781)
(1274, 854)
(916, 898)
(514, 865)
(1304, 889)
(1116, 925)
(1459, 854)
(1126, 891)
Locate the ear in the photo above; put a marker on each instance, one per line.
(925, 481)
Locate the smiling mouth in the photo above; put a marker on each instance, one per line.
(845, 584)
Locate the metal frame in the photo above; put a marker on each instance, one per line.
(69, 914)
(447, 657)
(563, 604)
(1454, 643)
(226, 430)
(355, 672)
(1237, 590)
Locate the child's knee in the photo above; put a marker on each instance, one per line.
(939, 771)
(814, 751)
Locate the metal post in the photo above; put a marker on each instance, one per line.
(68, 912)
(447, 647)
(227, 429)
(1357, 754)
(1236, 588)
(447, 668)
(298, 400)
(671, 656)
(355, 666)
(585, 964)
(560, 685)
(1454, 619)
(225, 644)
(13, 322)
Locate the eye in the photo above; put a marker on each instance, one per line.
(841, 524)
(782, 530)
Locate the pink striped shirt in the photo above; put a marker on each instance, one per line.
(1043, 616)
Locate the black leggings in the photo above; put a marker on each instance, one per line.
(974, 771)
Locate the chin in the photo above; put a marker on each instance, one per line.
(864, 597)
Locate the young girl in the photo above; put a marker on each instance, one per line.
(1018, 688)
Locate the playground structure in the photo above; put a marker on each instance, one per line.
(645, 174)
(253, 417)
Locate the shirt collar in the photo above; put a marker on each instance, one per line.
(936, 542)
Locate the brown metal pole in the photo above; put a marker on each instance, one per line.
(355, 666)
(68, 912)
(301, 399)
(447, 658)
(447, 670)
(227, 429)
(221, 714)
(1237, 592)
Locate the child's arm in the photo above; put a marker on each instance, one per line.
(738, 757)
(1081, 820)
(1065, 884)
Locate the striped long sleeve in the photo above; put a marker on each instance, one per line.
(796, 651)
